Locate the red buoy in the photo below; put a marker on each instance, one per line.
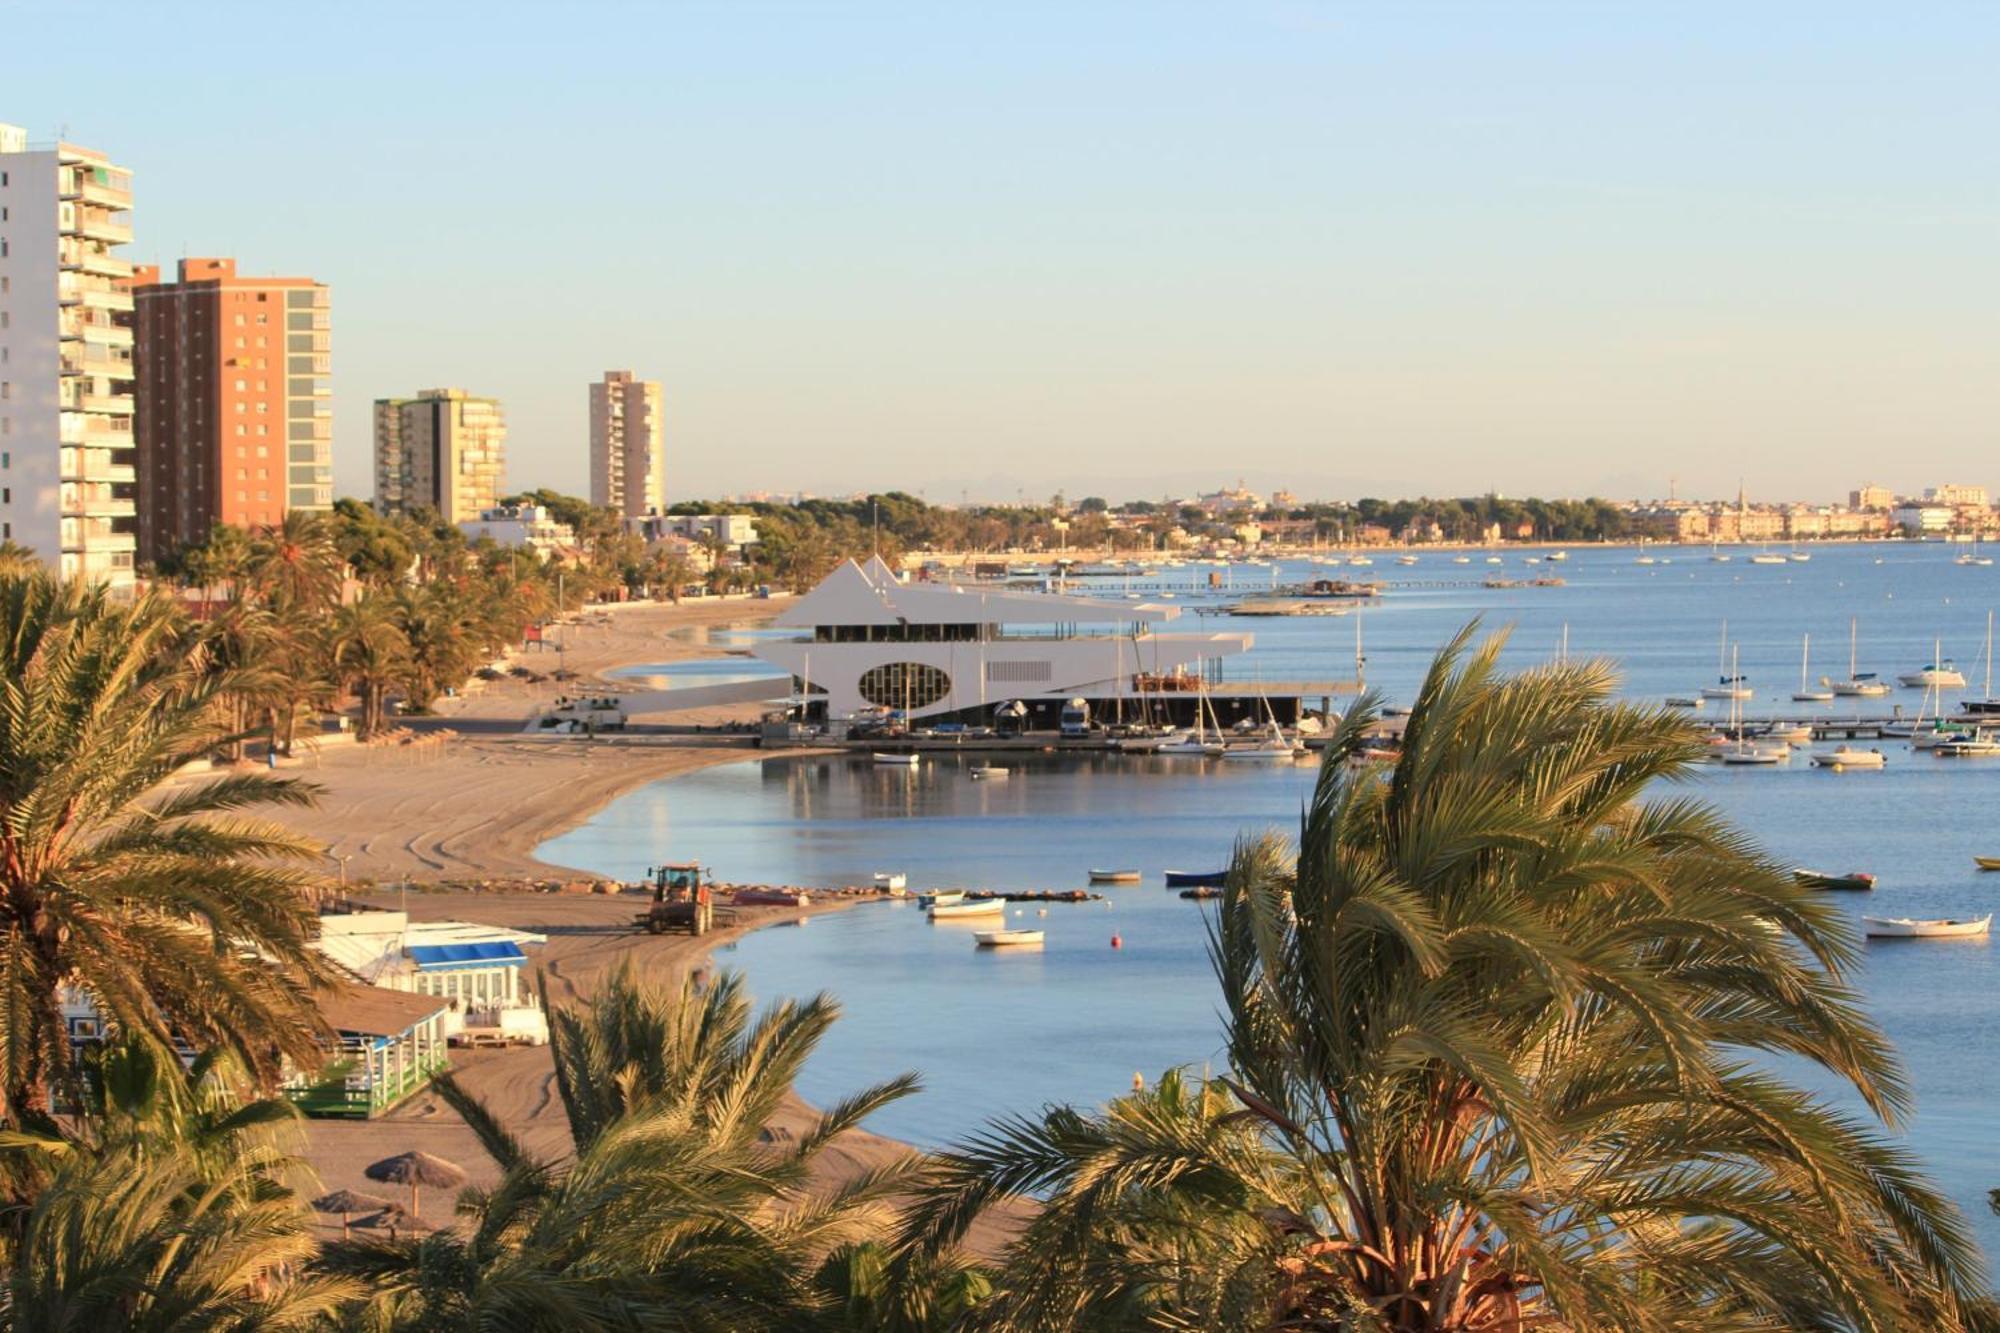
(1117, 943)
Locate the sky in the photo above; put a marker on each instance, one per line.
(1132, 249)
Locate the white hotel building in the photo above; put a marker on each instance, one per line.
(67, 482)
(945, 651)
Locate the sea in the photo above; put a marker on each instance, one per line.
(1124, 986)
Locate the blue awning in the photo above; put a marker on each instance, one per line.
(445, 957)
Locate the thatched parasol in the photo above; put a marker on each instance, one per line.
(393, 1218)
(416, 1169)
(348, 1201)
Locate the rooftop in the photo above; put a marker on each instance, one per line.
(871, 594)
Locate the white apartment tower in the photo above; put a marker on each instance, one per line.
(628, 446)
(443, 450)
(67, 479)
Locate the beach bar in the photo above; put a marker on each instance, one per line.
(390, 1044)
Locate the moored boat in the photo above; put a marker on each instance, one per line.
(977, 907)
(1910, 928)
(941, 897)
(1205, 891)
(1943, 675)
(1179, 879)
(1114, 877)
(1847, 756)
(1859, 881)
(1000, 939)
(1987, 862)
(988, 773)
(910, 760)
(1967, 747)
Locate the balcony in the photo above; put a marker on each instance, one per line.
(94, 359)
(102, 227)
(79, 256)
(115, 404)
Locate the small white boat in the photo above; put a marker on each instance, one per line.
(1767, 558)
(1683, 701)
(1935, 676)
(1644, 560)
(1796, 734)
(910, 760)
(1970, 747)
(1729, 687)
(941, 897)
(885, 879)
(1114, 877)
(1406, 560)
(981, 907)
(1461, 560)
(1912, 928)
(1849, 757)
(1000, 939)
(1492, 559)
(1758, 756)
(1558, 555)
(988, 773)
(1266, 752)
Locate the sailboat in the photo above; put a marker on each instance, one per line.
(1859, 684)
(1808, 693)
(1973, 557)
(1715, 552)
(1276, 747)
(1743, 752)
(1730, 685)
(1197, 743)
(1767, 557)
(1988, 706)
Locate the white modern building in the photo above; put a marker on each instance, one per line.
(869, 641)
(67, 478)
(514, 526)
(733, 531)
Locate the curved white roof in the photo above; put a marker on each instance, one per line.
(856, 594)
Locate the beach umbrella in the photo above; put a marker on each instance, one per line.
(393, 1218)
(348, 1201)
(416, 1169)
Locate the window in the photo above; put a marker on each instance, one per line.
(904, 685)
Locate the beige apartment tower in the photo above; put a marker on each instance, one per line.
(628, 448)
(68, 489)
(443, 450)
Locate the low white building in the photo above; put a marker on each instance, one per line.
(513, 526)
(735, 531)
(475, 969)
(1924, 518)
(869, 641)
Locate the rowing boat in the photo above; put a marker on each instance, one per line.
(1907, 928)
(1854, 880)
(1987, 862)
(1195, 879)
(1114, 877)
(996, 939)
(977, 907)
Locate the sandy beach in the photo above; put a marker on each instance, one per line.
(473, 807)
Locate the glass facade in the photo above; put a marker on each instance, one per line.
(904, 685)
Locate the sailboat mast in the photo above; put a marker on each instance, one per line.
(1805, 663)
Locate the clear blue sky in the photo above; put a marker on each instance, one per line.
(1115, 248)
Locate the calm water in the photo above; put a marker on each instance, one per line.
(1010, 1031)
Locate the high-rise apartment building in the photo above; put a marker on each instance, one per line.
(66, 474)
(442, 450)
(628, 450)
(235, 424)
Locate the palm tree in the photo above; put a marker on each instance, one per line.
(369, 653)
(172, 1210)
(674, 1212)
(175, 925)
(298, 562)
(1493, 1030)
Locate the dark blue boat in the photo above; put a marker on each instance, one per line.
(1196, 879)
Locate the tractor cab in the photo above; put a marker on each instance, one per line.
(681, 901)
